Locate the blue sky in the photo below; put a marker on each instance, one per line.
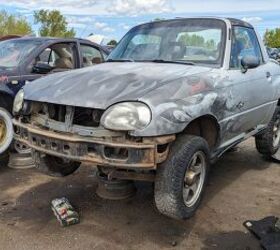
(113, 18)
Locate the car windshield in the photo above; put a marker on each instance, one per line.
(13, 51)
(195, 41)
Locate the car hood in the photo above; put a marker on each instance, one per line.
(105, 84)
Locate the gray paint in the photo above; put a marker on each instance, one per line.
(176, 94)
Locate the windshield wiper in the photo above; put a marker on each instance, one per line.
(120, 60)
(168, 61)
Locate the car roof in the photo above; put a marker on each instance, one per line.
(233, 21)
(45, 39)
(55, 39)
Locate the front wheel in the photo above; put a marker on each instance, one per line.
(268, 142)
(180, 180)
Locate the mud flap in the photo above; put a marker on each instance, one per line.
(6, 130)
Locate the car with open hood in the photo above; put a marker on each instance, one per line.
(25, 59)
(172, 97)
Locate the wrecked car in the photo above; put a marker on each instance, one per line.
(25, 59)
(173, 96)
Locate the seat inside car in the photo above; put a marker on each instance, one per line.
(63, 63)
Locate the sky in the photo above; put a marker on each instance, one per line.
(113, 18)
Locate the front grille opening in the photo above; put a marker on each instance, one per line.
(54, 145)
(87, 117)
(91, 149)
(162, 148)
(43, 143)
(116, 153)
(66, 147)
(53, 111)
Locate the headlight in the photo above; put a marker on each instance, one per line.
(18, 102)
(127, 116)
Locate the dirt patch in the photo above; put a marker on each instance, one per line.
(242, 186)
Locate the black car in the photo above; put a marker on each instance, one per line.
(25, 59)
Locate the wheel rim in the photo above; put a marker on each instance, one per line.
(276, 133)
(194, 179)
(3, 132)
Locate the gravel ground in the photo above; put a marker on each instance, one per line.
(242, 186)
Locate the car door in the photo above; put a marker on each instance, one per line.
(90, 55)
(60, 56)
(251, 91)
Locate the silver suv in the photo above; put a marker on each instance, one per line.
(172, 97)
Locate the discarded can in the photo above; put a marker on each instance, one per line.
(64, 212)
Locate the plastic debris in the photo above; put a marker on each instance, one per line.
(64, 212)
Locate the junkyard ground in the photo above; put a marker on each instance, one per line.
(242, 186)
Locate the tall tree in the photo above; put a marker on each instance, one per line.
(272, 38)
(13, 25)
(53, 23)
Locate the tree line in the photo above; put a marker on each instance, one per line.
(53, 24)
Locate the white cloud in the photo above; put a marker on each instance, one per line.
(103, 27)
(138, 7)
(34, 4)
(99, 25)
(85, 7)
(218, 7)
(142, 7)
(108, 29)
(124, 26)
(252, 20)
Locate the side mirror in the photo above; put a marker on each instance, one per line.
(42, 68)
(249, 62)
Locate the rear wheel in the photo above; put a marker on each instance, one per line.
(268, 142)
(54, 166)
(181, 179)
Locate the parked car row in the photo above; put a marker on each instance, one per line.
(171, 98)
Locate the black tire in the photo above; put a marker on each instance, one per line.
(170, 177)
(4, 159)
(54, 166)
(265, 142)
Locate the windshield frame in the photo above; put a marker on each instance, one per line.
(207, 22)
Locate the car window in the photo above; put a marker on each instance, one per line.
(201, 45)
(90, 55)
(48, 56)
(244, 42)
(60, 56)
(12, 52)
(143, 47)
(184, 41)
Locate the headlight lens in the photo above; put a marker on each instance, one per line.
(18, 102)
(127, 116)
